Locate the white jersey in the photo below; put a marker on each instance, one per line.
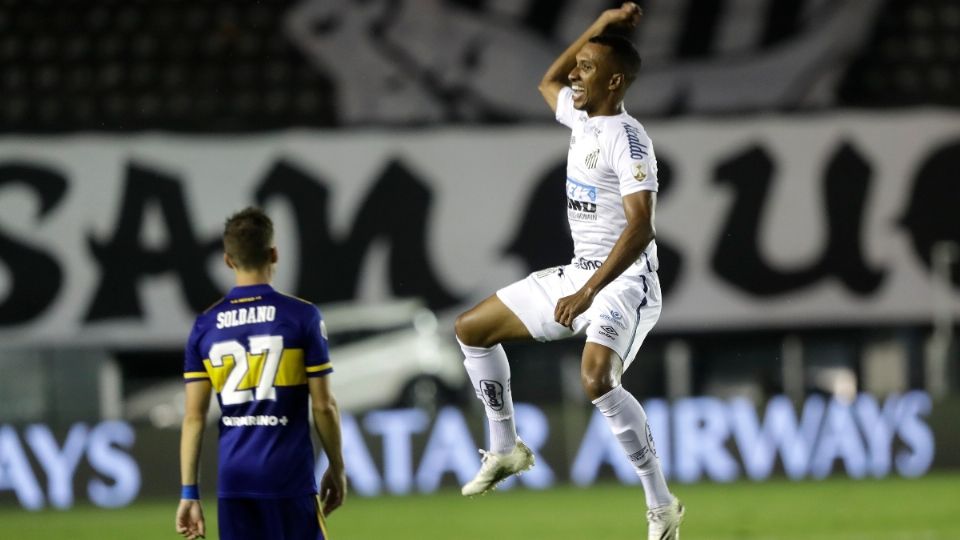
(610, 157)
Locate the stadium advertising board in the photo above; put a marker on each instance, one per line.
(697, 439)
(406, 450)
(766, 222)
(101, 455)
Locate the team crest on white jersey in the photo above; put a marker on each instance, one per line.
(591, 160)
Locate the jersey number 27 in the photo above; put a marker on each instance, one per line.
(271, 347)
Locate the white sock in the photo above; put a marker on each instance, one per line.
(629, 423)
(489, 373)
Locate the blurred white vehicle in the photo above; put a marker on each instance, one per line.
(391, 354)
(384, 355)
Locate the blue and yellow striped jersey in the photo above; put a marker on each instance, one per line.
(257, 347)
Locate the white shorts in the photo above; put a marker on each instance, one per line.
(621, 316)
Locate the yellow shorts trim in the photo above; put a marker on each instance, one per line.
(322, 519)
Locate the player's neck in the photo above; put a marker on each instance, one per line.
(258, 277)
(607, 109)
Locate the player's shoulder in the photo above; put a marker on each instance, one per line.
(206, 317)
(210, 311)
(292, 299)
(298, 305)
(624, 126)
(212, 307)
(626, 130)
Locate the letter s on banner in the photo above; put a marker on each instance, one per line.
(112, 462)
(916, 434)
(59, 464)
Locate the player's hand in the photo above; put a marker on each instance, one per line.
(626, 15)
(569, 307)
(190, 519)
(333, 490)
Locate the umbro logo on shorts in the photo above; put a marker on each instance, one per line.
(608, 331)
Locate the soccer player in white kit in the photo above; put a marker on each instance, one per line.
(609, 291)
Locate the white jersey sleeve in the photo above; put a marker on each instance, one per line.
(630, 155)
(566, 113)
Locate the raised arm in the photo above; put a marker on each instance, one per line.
(556, 76)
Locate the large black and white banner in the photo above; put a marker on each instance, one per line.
(767, 222)
(430, 61)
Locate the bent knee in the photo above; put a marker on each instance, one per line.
(468, 331)
(596, 383)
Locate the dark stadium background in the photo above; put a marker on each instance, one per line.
(808, 154)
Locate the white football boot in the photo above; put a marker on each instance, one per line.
(664, 521)
(496, 468)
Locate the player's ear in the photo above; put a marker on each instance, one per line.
(616, 81)
(228, 262)
(274, 255)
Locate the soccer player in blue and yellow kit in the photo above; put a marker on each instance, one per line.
(265, 354)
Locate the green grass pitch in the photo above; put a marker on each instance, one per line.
(836, 509)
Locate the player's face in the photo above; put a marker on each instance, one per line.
(590, 78)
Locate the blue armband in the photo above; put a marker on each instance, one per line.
(191, 492)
